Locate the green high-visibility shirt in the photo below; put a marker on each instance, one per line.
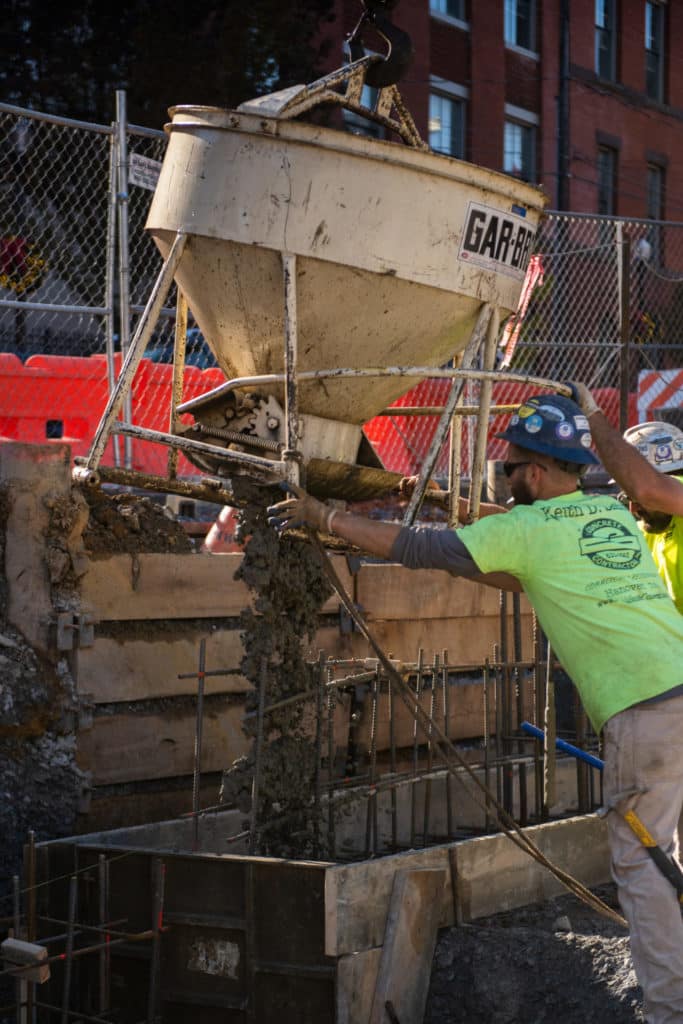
(587, 571)
(667, 551)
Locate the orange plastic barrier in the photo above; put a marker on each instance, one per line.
(62, 398)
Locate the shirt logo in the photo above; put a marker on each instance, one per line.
(610, 544)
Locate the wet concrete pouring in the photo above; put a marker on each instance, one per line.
(532, 965)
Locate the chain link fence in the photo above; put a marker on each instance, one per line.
(602, 302)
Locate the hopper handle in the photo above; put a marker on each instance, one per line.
(399, 57)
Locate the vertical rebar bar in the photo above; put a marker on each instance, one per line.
(19, 986)
(158, 886)
(487, 742)
(31, 921)
(331, 710)
(413, 787)
(508, 799)
(69, 948)
(392, 764)
(519, 695)
(199, 724)
(371, 806)
(430, 756)
(498, 712)
(258, 756)
(539, 705)
(103, 919)
(446, 697)
(320, 684)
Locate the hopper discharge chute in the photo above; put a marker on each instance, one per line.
(328, 271)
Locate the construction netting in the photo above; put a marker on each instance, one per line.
(602, 302)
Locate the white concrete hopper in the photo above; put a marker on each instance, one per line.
(397, 249)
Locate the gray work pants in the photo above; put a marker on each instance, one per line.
(643, 748)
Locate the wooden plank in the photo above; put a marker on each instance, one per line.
(172, 586)
(356, 979)
(357, 898)
(408, 949)
(393, 592)
(491, 874)
(140, 669)
(133, 747)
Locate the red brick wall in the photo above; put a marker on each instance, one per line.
(495, 75)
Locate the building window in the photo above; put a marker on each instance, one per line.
(451, 8)
(654, 50)
(655, 209)
(519, 150)
(607, 179)
(605, 39)
(520, 19)
(447, 125)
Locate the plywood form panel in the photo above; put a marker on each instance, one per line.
(168, 586)
(133, 747)
(123, 670)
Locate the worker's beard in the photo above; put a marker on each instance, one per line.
(521, 493)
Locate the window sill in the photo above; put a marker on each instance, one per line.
(448, 19)
(523, 52)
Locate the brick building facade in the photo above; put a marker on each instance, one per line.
(584, 97)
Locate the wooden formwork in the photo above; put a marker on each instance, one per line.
(136, 677)
(253, 939)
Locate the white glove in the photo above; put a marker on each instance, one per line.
(299, 509)
(584, 398)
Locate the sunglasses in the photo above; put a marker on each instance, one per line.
(510, 467)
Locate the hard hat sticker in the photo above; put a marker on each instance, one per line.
(586, 440)
(581, 422)
(663, 453)
(551, 412)
(533, 424)
(514, 420)
(564, 431)
(524, 411)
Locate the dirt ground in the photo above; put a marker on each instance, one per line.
(556, 961)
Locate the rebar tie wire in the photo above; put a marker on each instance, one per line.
(448, 751)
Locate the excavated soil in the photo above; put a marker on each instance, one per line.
(125, 523)
(549, 962)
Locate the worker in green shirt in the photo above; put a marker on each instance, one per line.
(647, 463)
(586, 569)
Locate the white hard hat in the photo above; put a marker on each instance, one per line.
(661, 444)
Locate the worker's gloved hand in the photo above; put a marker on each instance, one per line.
(407, 484)
(297, 510)
(582, 396)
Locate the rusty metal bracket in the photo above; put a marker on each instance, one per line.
(74, 631)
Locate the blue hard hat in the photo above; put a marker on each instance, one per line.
(551, 425)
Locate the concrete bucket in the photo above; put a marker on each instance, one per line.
(329, 272)
(396, 249)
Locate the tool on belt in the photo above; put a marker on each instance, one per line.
(668, 867)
